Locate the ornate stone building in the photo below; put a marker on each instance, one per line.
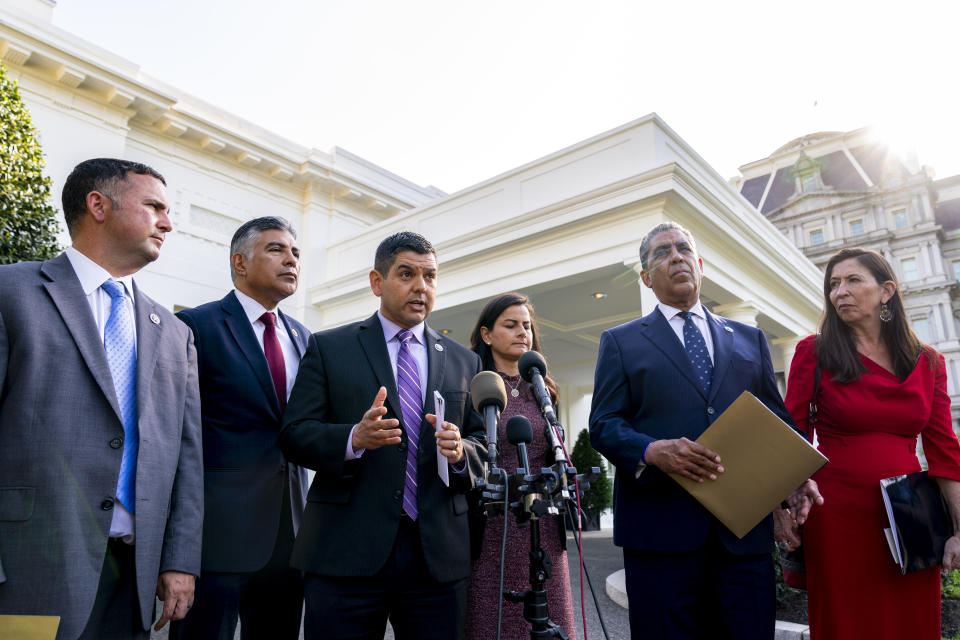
(564, 228)
(829, 190)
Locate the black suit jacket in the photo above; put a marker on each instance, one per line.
(353, 508)
(645, 390)
(244, 469)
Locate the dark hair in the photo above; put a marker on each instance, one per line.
(246, 236)
(660, 228)
(836, 349)
(404, 241)
(488, 318)
(105, 175)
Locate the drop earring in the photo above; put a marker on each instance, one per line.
(885, 314)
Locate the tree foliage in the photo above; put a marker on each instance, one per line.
(600, 494)
(28, 222)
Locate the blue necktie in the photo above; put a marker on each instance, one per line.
(121, 348)
(696, 348)
(411, 408)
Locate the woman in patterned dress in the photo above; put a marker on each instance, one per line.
(505, 330)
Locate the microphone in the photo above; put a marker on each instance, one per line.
(532, 369)
(489, 397)
(520, 433)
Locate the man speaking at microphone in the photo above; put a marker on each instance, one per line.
(382, 536)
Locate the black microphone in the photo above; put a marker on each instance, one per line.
(532, 368)
(520, 433)
(489, 397)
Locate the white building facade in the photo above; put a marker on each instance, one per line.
(564, 229)
(830, 190)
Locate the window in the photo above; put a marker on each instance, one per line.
(856, 227)
(808, 183)
(816, 236)
(900, 219)
(921, 327)
(909, 266)
(956, 270)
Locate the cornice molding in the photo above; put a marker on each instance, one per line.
(46, 54)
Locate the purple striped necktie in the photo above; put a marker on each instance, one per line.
(411, 405)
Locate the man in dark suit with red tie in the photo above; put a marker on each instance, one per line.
(382, 535)
(248, 356)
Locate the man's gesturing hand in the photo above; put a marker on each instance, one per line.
(372, 432)
(684, 457)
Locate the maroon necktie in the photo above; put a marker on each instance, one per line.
(271, 349)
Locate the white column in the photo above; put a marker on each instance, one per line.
(648, 301)
(744, 311)
(574, 411)
(786, 346)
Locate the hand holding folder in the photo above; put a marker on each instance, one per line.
(764, 461)
(920, 523)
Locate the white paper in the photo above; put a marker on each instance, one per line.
(888, 532)
(892, 538)
(443, 467)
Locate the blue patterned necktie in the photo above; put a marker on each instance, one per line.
(411, 405)
(696, 348)
(121, 348)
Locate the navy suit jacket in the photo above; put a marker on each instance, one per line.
(353, 507)
(244, 469)
(645, 390)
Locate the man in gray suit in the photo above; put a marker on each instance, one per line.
(101, 477)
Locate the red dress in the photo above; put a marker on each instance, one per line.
(868, 429)
(483, 593)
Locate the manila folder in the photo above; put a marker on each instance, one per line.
(763, 459)
(29, 627)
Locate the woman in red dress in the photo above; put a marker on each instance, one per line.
(506, 330)
(879, 388)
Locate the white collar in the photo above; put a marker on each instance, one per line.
(92, 275)
(671, 312)
(252, 308)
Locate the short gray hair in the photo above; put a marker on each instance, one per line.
(660, 228)
(245, 238)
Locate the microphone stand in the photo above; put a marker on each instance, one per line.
(535, 607)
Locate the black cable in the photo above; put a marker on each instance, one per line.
(586, 573)
(503, 553)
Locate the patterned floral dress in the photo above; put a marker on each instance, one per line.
(483, 593)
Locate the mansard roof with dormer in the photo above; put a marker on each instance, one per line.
(845, 163)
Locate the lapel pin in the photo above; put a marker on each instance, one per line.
(728, 329)
(438, 346)
(154, 318)
(294, 332)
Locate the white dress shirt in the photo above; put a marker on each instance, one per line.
(291, 359)
(672, 315)
(92, 276)
(699, 319)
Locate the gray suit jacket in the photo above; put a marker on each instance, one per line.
(58, 469)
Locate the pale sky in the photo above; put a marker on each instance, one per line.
(451, 92)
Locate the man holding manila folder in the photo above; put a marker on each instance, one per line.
(383, 535)
(661, 380)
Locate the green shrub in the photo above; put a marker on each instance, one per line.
(28, 222)
(599, 496)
